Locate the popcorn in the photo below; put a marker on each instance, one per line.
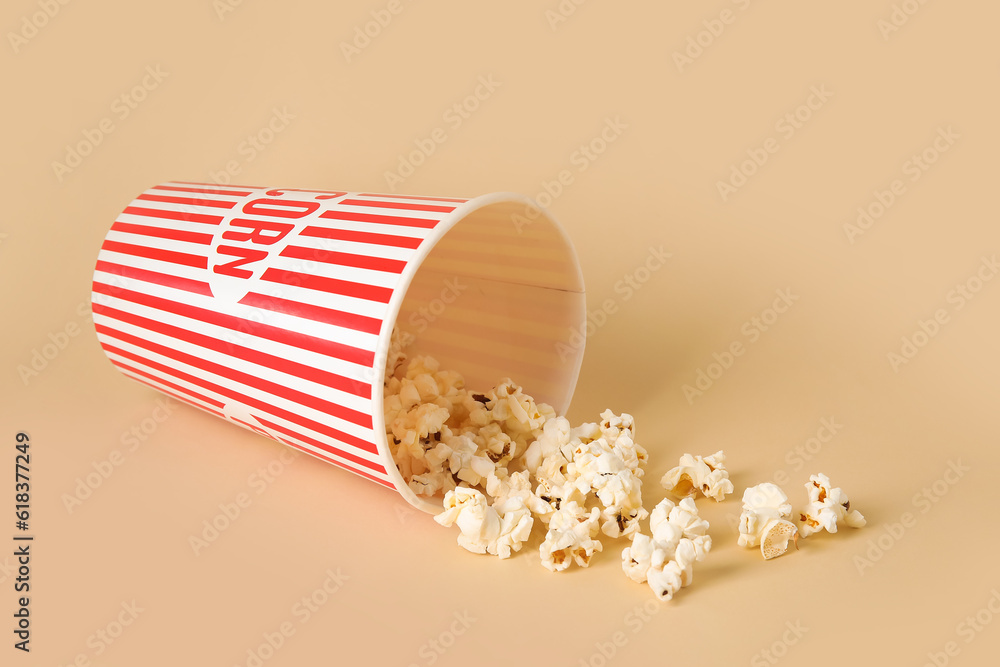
(497, 445)
(570, 537)
(395, 356)
(665, 577)
(621, 495)
(515, 526)
(586, 432)
(631, 453)
(430, 483)
(684, 515)
(637, 557)
(448, 440)
(514, 409)
(693, 474)
(554, 436)
(764, 520)
(775, 538)
(666, 560)
(485, 528)
(479, 523)
(613, 425)
(767, 496)
(503, 461)
(827, 506)
(502, 485)
(607, 462)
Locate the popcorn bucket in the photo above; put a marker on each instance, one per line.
(273, 308)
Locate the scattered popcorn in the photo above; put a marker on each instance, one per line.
(775, 538)
(486, 528)
(637, 557)
(827, 506)
(613, 425)
(621, 495)
(554, 436)
(501, 461)
(479, 523)
(684, 515)
(613, 472)
(570, 537)
(515, 527)
(764, 520)
(666, 560)
(693, 474)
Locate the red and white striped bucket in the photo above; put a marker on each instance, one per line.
(273, 308)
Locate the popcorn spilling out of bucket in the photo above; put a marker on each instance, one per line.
(361, 327)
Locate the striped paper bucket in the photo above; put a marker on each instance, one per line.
(274, 308)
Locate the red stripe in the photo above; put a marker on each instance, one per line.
(373, 478)
(346, 438)
(388, 196)
(215, 185)
(396, 204)
(165, 279)
(211, 191)
(182, 258)
(362, 237)
(246, 379)
(329, 285)
(344, 259)
(187, 201)
(277, 334)
(163, 233)
(319, 376)
(178, 391)
(322, 445)
(380, 219)
(174, 215)
(308, 311)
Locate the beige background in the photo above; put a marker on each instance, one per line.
(656, 184)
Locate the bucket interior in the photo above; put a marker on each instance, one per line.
(499, 295)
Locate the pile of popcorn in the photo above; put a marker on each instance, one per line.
(504, 462)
